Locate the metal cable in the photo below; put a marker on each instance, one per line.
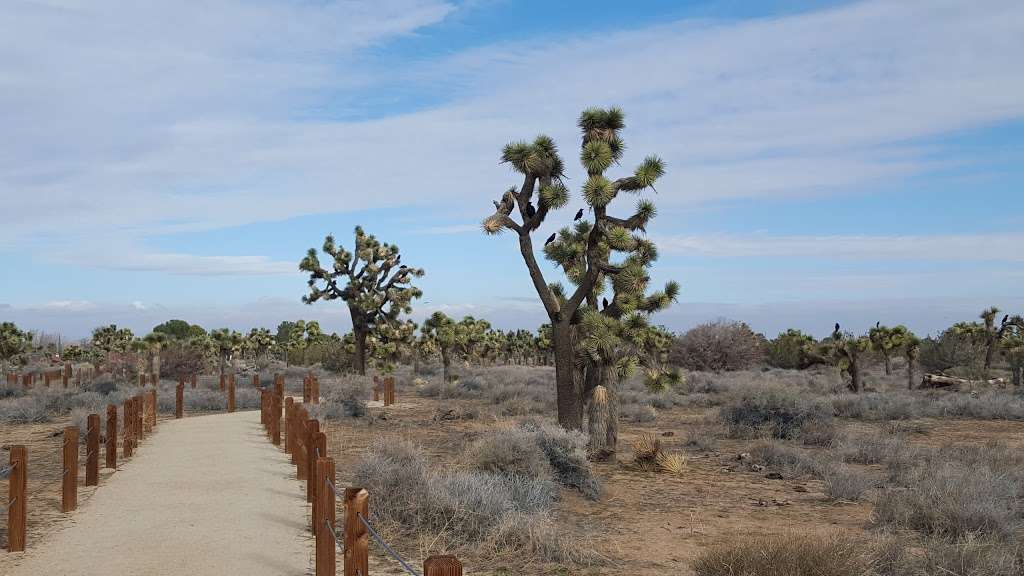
(11, 503)
(341, 547)
(384, 545)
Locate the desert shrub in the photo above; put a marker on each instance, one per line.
(503, 512)
(24, 410)
(876, 406)
(509, 451)
(567, 453)
(952, 352)
(247, 399)
(871, 448)
(637, 413)
(181, 361)
(789, 461)
(103, 384)
(205, 400)
(717, 346)
(790, 555)
(344, 398)
(777, 411)
(703, 437)
(845, 483)
(955, 492)
(789, 350)
(971, 554)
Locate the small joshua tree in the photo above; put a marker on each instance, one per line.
(154, 342)
(371, 281)
(13, 342)
(987, 334)
(542, 169)
(260, 340)
(886, 341)
(227, 342)
(848, 352)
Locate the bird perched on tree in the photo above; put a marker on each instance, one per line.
(398, 259)
(1005, 318)
(878, 324)
(837, 327)
(604, 303)
(530, 210)
(402, 267)
(550, 239)
(579, 214)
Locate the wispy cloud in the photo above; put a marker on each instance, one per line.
(952, 247)
(452, 229)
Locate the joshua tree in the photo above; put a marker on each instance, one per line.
(376, 288)
(389, 341)
(848, 351)
(886, 340)
(542, 170)
(987, 333)
(227, 342)
(13, 342)
(154, 342)
(303, 335)
(112, 339)
(911, 349)
(261, 341)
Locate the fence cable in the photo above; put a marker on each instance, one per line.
(11, 503)
(385, 545)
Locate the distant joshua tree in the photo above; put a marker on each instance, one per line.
(543, 170)
(987, 334)
(371, 281)
(13, 342)
(886, 341)
(848, 351)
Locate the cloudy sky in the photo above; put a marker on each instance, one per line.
(857, 161)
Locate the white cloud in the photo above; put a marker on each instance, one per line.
(951, 247)
(162, 119)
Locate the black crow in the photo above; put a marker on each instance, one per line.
(878, 324)
(579, 215)
(604, 303)
(837, 326)
(398, 259)
(530, 210)
(550, 239)
(1005, 318)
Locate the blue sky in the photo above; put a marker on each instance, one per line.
(857, 161)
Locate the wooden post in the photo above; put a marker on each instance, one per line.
(314, 389)
(194, 381)
(255, 380)
(312, 428)
(279, 388)
(92, 454)
(179, 401)
(305, 389)
(69, 493)
(142, 380)
(154, 379)
(289, 404)
(376, 388)
(222, 382)
(324, 518)
(442, 566)
(231, 394)
(111, 436)
(17, 499)
(275, 419)
(126, 447)
(66, 377)
(318, 449)
(357, 538)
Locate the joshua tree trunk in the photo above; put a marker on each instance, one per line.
(888, 363)
(855, 377)
(990, 351)
(1018, 375)
(568, 385)
(910, 373)
(446, 363)
(360, 331)
(598, 418)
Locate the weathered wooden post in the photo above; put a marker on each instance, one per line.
(275, 419)
(311, 428)
(314, 389)
(324, 520)
(69, 492)
(442, 566)
(142, 380)
(279, 387)
(126, 447)
(154, 379)
(357, 538)
(92, 454)
(231, 394)
(376, 388)
(318, 449)
(255, 380)
(289, 432)
(179, 401)
(194, 378)
(223, 381)
(66, 377)
(155, 408)
(111, 436)
(17, 499)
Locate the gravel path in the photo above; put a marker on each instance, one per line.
(203, 496)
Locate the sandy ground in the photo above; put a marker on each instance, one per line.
(206, 495)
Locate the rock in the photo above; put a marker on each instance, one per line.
(669, 433)
(743, 456)
(799, 488)
(773, 476)
(756, 468)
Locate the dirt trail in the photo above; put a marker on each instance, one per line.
(204, 496)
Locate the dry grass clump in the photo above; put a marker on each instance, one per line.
(648, 454)
(491, 512)
(788, 555)
(509, 451)
(779, 412)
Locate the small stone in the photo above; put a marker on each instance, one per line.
(743, 456)
(669, 433)
(756, 468)
(773, 476)
(799, 488)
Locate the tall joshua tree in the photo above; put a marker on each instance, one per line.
(376, 288)
(848, 350)
(542, 170)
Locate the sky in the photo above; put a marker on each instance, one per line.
(826, 161)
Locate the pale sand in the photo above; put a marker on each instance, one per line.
(203, 496)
